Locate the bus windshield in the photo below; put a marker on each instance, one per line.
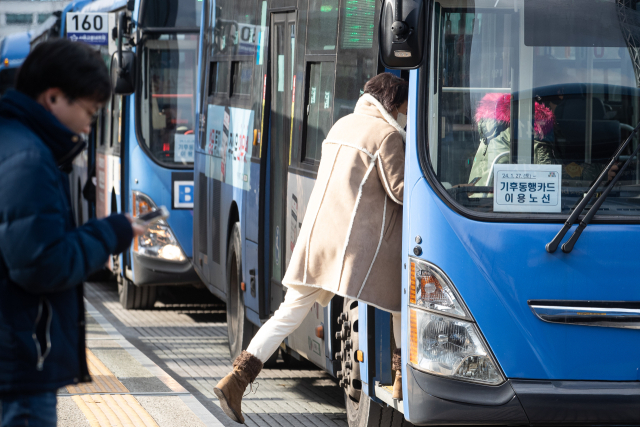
(167, 99)
(528, 101)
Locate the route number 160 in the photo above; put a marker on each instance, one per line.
(88, 24)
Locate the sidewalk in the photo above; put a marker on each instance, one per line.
(128, 389)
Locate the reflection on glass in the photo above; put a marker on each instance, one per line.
(171, 13)
(323, 25)
(319, 118)
(514, 86)
(219, 76)
(168, 104)
(241, 72)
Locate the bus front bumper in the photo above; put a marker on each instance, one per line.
(154, 272)
(435, 400)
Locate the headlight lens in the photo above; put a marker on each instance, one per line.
(431, 289)
(158, 241)
(450, 347)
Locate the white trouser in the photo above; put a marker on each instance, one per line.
(297, 303)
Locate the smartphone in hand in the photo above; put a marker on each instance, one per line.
(150, 217)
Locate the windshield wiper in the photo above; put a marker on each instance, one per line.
(568, 245)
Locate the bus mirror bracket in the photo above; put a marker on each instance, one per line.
(401, 34)
(123, 69)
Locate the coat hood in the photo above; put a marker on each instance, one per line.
(367, 100)
(63, 143)
(497, 107)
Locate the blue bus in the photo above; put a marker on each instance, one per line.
(144, 138)
(517, 110)
(14, 48)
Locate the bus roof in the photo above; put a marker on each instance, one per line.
(14, 49)
(46, 27)
(103, 6)
(74, 6)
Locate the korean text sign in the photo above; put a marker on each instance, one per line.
(527, 188)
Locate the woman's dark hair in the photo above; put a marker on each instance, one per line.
(75, 68)
(389, 90)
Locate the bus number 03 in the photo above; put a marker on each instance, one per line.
(86, 24)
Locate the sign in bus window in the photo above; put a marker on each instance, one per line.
(527, 188)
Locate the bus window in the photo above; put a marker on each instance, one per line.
(319, 109)
(357, 59)
(168, 102)
(322, 26)
(180, 14)
(508, 89)
(218, 78)
(240, 78)
(116, 121)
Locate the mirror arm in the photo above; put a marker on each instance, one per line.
(399, 28)
(121, 24)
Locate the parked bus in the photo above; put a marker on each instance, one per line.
(517, 111)
(144, 154)
(14, 48)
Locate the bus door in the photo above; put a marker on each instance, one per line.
(283, 30)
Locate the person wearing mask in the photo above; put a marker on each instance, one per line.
(351, 237)
(44, 255)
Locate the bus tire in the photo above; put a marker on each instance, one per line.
(134, 297)
(364, 413)
(239, 329)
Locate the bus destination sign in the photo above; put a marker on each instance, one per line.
(527, 188)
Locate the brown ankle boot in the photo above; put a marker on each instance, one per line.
(230, 389)
(397, 366)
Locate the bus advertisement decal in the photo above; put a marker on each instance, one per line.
(230, 133)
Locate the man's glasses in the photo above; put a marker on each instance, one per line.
(90, 111)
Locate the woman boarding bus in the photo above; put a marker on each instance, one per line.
(350, 245)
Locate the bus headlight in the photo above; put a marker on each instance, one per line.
(431, 289)
(450, 347)
(443, 338)
(158, 241)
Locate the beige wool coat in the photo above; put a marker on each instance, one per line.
(351, 236)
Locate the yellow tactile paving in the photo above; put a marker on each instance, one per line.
(113, 411)
(103, 380)
(106, 410)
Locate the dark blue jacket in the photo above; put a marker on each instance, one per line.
(44, 257)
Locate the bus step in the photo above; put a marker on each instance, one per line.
(384, 392)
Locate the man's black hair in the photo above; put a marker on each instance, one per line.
(75, 68)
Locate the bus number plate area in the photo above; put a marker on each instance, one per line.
(527, 188)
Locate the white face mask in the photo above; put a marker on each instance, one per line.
(402, 120)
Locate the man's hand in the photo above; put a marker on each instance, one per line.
(138, 230)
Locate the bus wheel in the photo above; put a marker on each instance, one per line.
(134, 297)
(349, 375)
(239, 330)
(363, 413)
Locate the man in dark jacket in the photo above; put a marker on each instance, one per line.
(44, 256)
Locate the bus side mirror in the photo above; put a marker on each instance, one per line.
(123, 73)
(402, 34)
(123, 65)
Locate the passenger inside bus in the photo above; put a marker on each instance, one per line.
(558, 134)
